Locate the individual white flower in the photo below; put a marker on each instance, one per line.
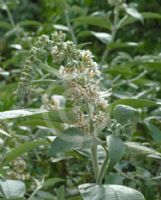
(59, 101)
(55, 50)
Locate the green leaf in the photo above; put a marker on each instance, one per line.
(114, 179)
(61, 115)
(4, 133)
(138, 148)
(134, 13)
(152, 65)
(116, 150)
(122, 70)
(50, 70)
(125, 114)
(116, 45)
(1, 143)
(61, 193)
(70, 139)
(3, 5)
(62, 4)
(151, 15)
(33, 122)
(20, 113)
(150, 62)
(154, 131)
(146, 15)
(51, 182)
(12, 189)
(103, 37)
(30, 23)
(23, 148)
(60, 27)
(109, 192)
(43, 195)
(5, 25)
(50, 117)
(136, 103)
(13, 31)
(101, 21)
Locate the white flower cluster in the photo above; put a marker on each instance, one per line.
(18, 170)
(80, 76)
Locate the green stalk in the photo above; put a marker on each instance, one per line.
(103, 169)
(70, 27)
(11, 18)
(94, 147)
(113, 33)
(34, 192)
(95, 161)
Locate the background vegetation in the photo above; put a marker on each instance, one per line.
(129, 57)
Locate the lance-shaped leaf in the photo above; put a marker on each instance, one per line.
(62, 4)
(116, 149)
(134, 13)
(138, 148)
(51, 182)
(100, 21)
(23, 148)
(103, 37)
(4, 133)
(135, 103)
(109, 192)
(146, 15)
(62, 115)
(154, 131)
(20, 113)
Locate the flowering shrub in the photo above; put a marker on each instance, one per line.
(78, 129)
(80, 77)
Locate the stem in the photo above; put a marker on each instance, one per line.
(100, 174)
(95, 161)
(113, 34)
(34, 193)
(103, 169)
(70, 27)
(94, 147)
(11, 18)
(39, 186)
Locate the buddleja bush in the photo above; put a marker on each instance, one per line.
(82, 111)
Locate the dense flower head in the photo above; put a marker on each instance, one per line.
(79, 74)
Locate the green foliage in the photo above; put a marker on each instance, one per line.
(125, 114)
(69, 139)
(22, 148)
(53, 138)
(115, 192)
(12, 189)
(116, 150)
